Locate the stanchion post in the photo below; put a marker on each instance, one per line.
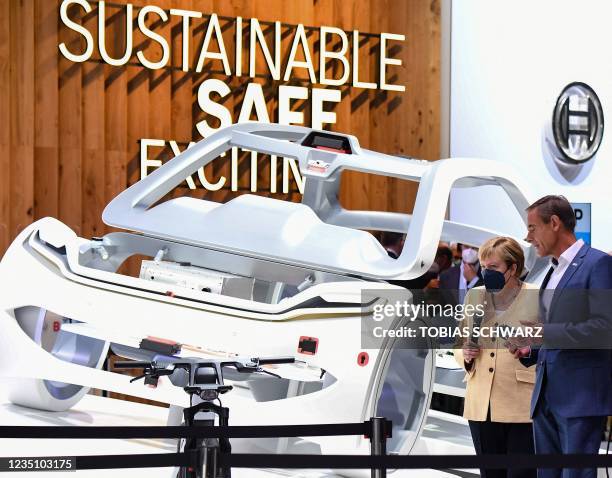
(378, 443)
(225, 447)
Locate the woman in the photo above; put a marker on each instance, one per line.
(499, 387)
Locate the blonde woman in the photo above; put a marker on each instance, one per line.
(499, 388)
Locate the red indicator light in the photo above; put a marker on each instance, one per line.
(362, 359)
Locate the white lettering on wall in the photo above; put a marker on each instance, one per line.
(338, 51)
(153, 65)
(89, 41)
(102, 35)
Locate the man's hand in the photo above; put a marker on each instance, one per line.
(518, 352)
(532, 336)
(514, 343)
(469, 272)
(536, 329)
(470, 351)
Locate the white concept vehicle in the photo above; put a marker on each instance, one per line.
(255, 276)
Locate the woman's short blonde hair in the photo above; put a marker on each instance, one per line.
(507, 249)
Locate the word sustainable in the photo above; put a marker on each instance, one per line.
(255, 51)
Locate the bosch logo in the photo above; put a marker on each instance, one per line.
(577, 123)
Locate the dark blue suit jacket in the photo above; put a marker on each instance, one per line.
(575, 362)
(449, 285)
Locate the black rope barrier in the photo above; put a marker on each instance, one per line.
(416, 461)
(110, 432)
(149, 460)
(376, 429)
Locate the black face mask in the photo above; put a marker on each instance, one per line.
(494, 281)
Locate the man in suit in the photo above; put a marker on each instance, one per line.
(393, 242)
(457, 280)
(573, 389)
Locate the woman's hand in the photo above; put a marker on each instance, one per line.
(471, 350)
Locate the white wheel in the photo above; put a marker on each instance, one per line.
(44, 328)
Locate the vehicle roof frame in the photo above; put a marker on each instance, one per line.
(131, 208)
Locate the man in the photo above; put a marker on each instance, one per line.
(444, 257)
(573, 387)
(393, 242)
(457, 280)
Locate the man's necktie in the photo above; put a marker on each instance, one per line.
(554, 264)
(546, 295)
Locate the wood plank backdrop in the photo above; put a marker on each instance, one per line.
(69, 131)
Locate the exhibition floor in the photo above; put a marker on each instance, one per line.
(444, 434)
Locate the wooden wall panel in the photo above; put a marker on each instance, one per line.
(93, 159)
(357, 189)
(22, 115)
(181, 85)
(138, 109)
(46, 153)
(379, 134)
(69, 131)
(116, 104)
(5, 130)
